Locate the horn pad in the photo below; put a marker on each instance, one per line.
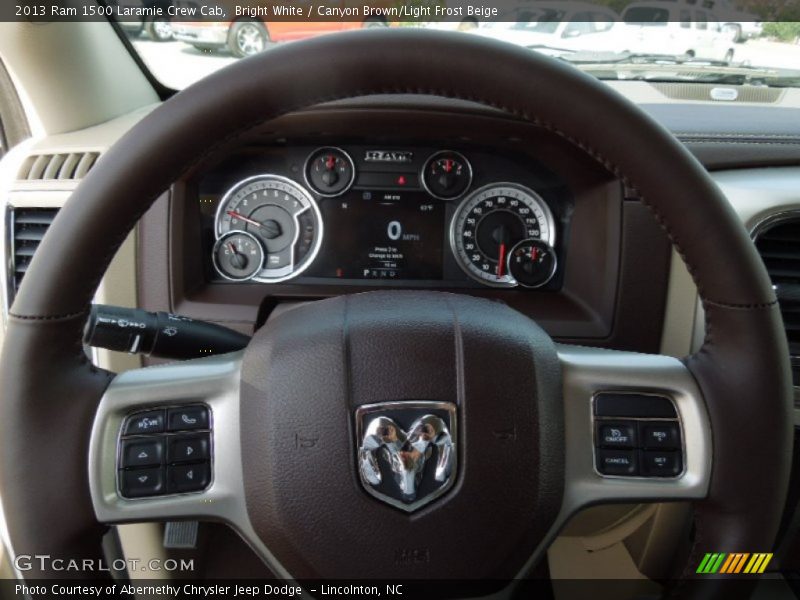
(308, 373)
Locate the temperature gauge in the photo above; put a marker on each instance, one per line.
(238, 256)
(446, 175)
(532, 263)
(330, 171)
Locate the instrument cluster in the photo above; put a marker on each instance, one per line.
(334, 214)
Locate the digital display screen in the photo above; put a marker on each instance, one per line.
(381, 235)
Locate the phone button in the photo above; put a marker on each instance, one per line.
(187, 418)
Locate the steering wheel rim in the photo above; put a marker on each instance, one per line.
(744, 355)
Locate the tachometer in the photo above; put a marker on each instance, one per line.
(281, 216)
(490, 222)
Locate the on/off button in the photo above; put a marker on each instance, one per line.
(617, 434)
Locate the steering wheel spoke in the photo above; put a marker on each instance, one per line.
(636, 429)
(165, 444)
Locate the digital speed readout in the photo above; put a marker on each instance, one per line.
(389, 236)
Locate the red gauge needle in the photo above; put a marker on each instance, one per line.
(241, 217)
(448, 165)
(330, 163)
(501, 260)
(534, 252)
(232, 247)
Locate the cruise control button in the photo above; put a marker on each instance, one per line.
(617, 462)
(142, 482)
(617, 434)
(187, 418)
(188, 478)
(660, 435)
(142, 452)
(188, 448)
(661, 464)
(151, 421)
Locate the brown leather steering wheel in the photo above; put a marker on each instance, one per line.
(309, 370)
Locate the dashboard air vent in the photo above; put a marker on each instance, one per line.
(58, 167)
(27, 227)
(778, 242)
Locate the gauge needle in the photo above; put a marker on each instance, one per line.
(241, 217)
(534, 252)
(232, 247)
(501, 260)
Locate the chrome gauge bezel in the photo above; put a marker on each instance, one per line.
(307, 164)
(456, 224)
(304, 195)
(553, 267)
(215, 260)
(424, 170)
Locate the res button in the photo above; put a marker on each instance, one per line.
(660, 435)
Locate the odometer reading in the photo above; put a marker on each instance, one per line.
(281, 216)
(490, 222)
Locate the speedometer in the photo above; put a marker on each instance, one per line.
(281, 216)
(490, 222)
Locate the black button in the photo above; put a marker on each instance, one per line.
(142, 452)
(186, 418)
(617, 462)
(660, 435)
(142, 482)
(609, 404)
(188, 478)
(188, 448)
(616, 434)
(657, 463)
(151, 421)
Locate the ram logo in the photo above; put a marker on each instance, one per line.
(407, 451)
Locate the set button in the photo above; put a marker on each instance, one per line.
(657, 463)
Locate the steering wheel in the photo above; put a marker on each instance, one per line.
(285, 465)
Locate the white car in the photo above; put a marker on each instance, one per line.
(650, 27)
(574, 26)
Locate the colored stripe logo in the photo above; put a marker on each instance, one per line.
(734, 563)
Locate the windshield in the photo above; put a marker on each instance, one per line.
(182, 41)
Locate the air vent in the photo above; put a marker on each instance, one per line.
(58, 167)
(778, 242)
(27, 227)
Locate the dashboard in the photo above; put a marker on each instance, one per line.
(395, 215)
(381, 194)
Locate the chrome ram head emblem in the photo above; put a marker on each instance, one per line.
(407, 468)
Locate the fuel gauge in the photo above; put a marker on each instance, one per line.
(238, 256)
(532, 263)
